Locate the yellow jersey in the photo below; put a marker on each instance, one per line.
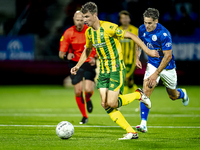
(106, 42)
(128, 50)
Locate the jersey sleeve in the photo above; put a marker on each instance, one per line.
(166, 41)
(87, 37)
(140, 33)
(64, 42)
(113, 30)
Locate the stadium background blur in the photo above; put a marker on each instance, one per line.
(30, 31)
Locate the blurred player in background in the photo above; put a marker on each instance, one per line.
(156, 36)
(104, 36)
(72, 44)
(128, 50)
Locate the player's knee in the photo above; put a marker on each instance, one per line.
(146, 91)
(104, 105)
(112, 104)
(89, 86)
(78, 93)
(89, 90)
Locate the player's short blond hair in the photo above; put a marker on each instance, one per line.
(89, 7)
(151, 13)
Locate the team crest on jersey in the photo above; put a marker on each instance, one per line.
(154, 37)
(101, 35)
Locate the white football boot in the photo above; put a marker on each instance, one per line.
(141, 128)
(185, 100)
(129, 136)
(144, 99)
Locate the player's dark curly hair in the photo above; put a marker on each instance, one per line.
(124, 12)
(151, 13)
(89, 7)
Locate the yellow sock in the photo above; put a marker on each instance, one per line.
(128, 98)
(117, 117)
(134, 88)
(126, 89)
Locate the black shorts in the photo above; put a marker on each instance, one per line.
(86, 70)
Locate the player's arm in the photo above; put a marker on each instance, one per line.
(138, 41)
(65, 56)
(167, 57)
(64, 51)
(84, 56)
(138, 64)
(93, 57)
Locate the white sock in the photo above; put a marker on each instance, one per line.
(144, 122)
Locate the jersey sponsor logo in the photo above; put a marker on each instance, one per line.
(168, 44)
(154, 37)
(125, 40)
(99, 45)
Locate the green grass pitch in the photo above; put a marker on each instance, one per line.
(29, 115)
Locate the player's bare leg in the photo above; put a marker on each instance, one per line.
(175, 94)
(148, 90)
(144, 110)
(103, 95)
(89, 89)
(78, 88)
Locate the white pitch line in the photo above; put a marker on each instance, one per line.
(94, 115)
(93, 126)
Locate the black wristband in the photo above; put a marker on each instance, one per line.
(65, 57)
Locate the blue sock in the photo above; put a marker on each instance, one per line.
(182, 94)
(144, 111)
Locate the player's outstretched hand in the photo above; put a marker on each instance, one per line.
(138, 64)
(74, 70)
(154, 53)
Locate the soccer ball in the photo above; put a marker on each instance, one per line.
(65, 130)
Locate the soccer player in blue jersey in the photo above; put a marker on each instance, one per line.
(157, 37)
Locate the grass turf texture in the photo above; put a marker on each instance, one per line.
(29, 115)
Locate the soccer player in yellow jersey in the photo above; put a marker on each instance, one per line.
(104, 36)
(128, 50)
